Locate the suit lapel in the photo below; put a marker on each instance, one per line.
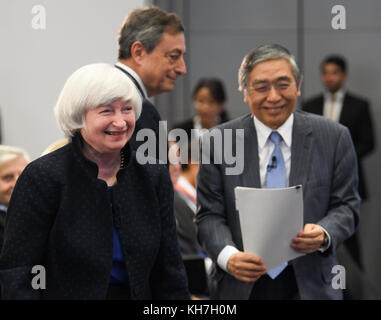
(346, 111)
(251, 177)
(318, 107)
(300, 150)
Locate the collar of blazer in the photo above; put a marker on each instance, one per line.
(301, 148)
(89, 167)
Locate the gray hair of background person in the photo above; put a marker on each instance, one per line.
(8, 153)
(91, 86)
(147, 26)
(264, 53)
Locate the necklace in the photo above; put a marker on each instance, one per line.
(121, 159)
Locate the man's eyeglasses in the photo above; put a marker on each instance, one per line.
(264, 87)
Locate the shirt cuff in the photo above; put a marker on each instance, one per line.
(324, 248)
(224, 256)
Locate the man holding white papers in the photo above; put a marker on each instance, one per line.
(282, 147)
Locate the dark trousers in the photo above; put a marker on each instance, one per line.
(118, 292)
(283, 287)
(353, 247)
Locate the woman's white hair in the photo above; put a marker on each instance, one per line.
(8, 153)
(89, 87)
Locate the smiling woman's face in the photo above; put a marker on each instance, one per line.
(109, 127)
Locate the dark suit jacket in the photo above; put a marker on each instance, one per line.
(186, 228)
(2, 224)
(323, 161)
(187, 126)
(356, 116)
(60, 217)
(149, 119)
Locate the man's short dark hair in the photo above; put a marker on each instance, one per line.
(337, 60)
(146, 25)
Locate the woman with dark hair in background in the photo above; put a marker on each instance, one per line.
(209, 99)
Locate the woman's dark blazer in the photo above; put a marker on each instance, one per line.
(60, 217)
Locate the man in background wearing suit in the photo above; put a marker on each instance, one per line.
(151, 53)
(196, 263)
(185, 207)
(353, 112)
(312, 151)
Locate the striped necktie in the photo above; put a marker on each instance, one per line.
(276, 178)
(332, 107)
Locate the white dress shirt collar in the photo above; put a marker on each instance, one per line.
(187, 186)
(190, 189)
(263, 131)
(135, 75)
(334, 113)
(3, 207)
(197, 122)
(339, 95)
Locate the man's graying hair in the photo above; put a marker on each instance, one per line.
(264, 53)
(147, 26)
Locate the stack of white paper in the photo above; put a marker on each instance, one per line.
(270, 219)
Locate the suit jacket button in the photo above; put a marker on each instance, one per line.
(135, 291)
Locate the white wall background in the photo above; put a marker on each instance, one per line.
(34, 64)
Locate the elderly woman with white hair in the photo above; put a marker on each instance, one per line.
(13, 160)
(99, 224)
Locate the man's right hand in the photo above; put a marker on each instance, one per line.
(246, 266)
